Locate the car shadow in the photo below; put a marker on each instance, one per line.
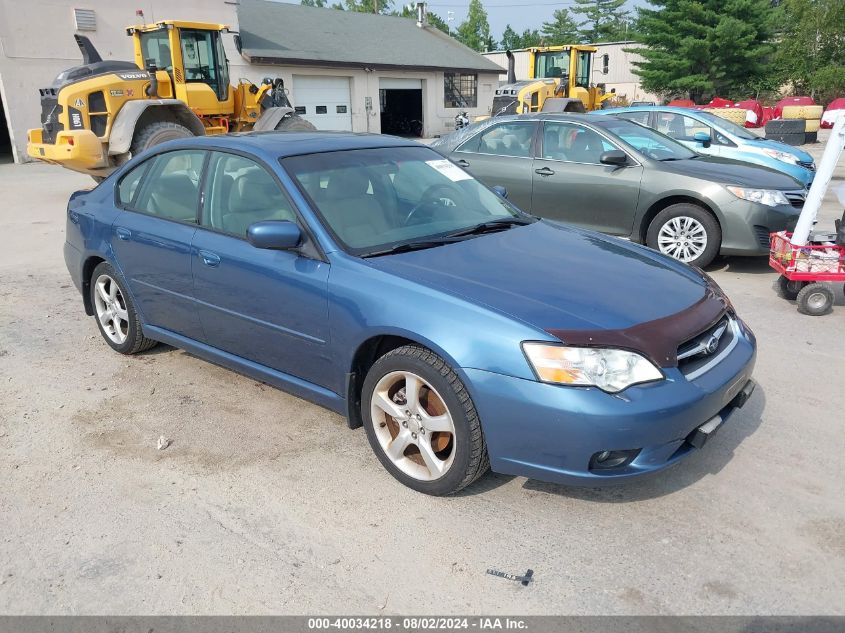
(744, 265)
(708, 461)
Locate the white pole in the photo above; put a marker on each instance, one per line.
(824, 173)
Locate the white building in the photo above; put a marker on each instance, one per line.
(343, 70)
(612, 66)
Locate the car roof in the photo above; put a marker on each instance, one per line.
(650, 108)
(282, 144)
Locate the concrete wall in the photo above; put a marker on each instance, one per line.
(620, 69)
(36, 43)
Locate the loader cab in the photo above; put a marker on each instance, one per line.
(193, 58)
(568, 64)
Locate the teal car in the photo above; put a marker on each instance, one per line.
(711, 135)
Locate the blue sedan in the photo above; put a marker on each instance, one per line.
(374, 277)
(712, 135)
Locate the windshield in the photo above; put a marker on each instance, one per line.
(371, 199)
(646, 141)
(548, 65)
(729, 126)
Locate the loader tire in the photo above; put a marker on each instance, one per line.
(156, 133)
(784, 126)
(295, 123)
(812, 125)
(802, 112)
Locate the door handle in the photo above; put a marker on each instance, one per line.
(209, 259)
(462, 163)
(123, 234)
(544, 171)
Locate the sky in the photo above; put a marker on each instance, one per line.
(520, 14)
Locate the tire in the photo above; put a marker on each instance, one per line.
(460, 452)
(156, 133)
(98, 179)
(784, 126)
(815, 299)
(295, 123)
(127, 337)
(802, 112)
(734, 115)
(789, 289)
(662, 229)
(798, 138)
(812, 125)
(811, 137)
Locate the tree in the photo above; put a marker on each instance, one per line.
(810, 54)
(561, 30)
(475, 30)
(313, 3)
(510, 38)
(605, 19)
(701, 48)
(530, 37)
(410, 11)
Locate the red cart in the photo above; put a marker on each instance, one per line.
(804, 271)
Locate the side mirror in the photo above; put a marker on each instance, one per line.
(279, 235)
(703, 138)
(614, 157)
(500, 191)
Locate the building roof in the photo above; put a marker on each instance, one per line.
(281, 33)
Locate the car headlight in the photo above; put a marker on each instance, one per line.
(769, 197)
(610, 370)
(785, 157)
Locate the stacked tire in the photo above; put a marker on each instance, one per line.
(810, 115)
(734, 115)
(789, 131)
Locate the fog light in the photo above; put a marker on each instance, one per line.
(605, 460)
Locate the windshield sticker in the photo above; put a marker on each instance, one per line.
(449, 169)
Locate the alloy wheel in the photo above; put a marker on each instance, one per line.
(683, 238)
(110, 307)
(413, 425)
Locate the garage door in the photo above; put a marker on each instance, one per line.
(324, 101)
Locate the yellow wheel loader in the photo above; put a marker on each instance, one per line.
(559, 81)
(98, 115)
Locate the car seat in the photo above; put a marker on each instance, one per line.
(174, 196)
(254, 197)
(352, 213)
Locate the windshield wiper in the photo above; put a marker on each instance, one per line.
(406, 247)
(492, 225)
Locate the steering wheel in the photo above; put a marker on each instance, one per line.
(433, 197)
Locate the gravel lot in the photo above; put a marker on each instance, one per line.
(265, 503)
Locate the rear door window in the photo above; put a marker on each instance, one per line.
(636, 117)
(513, 138)
(171, 186)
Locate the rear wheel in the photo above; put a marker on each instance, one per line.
(789, 289)
(295, 123)
(815, 299)
(422, 423)
(156, 133)
(115, 313)
(686, 232)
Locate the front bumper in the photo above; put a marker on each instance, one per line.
(746, 226)
(79, 150)
(550, 432)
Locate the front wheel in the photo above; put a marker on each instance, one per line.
(815, 299)
(421, 422)
(687, 233)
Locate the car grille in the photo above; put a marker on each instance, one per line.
(699, 354)
(808, 165)
(50, 111)
(796, 198)
(762, 235)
